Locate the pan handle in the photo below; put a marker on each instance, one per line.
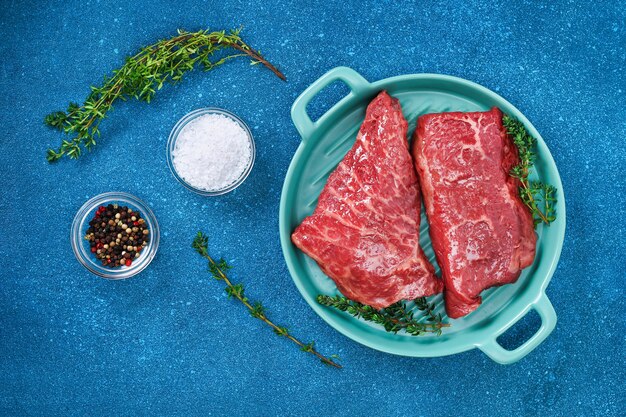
(548, 320)
(299, 115)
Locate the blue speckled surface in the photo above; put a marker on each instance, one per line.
(168, 342)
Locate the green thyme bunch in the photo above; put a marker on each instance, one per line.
(141, 76)
(394, 318)
(538, 196)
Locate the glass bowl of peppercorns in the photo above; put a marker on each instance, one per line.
(115, 235)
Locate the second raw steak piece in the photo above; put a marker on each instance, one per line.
(481, 231)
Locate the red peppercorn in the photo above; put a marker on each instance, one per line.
(102, 233)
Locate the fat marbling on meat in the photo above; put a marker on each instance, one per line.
(364, 232)
(482, 233)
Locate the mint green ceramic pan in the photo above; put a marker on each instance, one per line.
(325, 142)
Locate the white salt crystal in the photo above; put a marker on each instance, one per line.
(211, 152)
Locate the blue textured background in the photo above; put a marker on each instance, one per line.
(168, 341)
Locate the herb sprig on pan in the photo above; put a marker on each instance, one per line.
(538, 196)
(219, 268)
(394, 318)
(141, 76)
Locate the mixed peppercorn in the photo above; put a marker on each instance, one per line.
(117, 235)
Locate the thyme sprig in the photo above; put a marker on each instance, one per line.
(394, 318)
(538, 196)
(141, 76)
(219, 268)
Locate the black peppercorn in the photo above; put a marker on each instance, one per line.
(116, 235)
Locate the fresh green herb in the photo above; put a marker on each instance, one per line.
(539, 197)
(257, 310)
(394, 318)
(140, 77)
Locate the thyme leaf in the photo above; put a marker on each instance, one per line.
(141, 76)
(538, 196)
(394, 318)
(218, 270)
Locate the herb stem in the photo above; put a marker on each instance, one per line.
(256, 56)
(532, 203)
(217, 268)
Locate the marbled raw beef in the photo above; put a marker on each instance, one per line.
(481, 231)
(364, 232)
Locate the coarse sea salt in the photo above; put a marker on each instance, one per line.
(212, 152)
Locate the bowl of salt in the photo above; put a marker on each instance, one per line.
(210, 151)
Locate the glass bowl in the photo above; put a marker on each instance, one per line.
(171, 145)
(81, 247)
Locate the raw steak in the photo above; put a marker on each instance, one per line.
(481, 231)
(364, 233)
